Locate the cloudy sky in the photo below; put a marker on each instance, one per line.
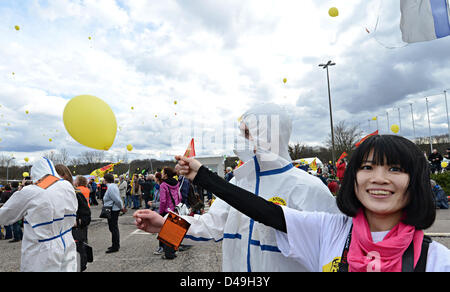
(215, 59)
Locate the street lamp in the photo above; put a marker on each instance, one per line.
(325, 66)
(7, 167)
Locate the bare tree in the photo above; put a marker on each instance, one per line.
(64, 156)
(88, 157)
(295, 151)
(4, 160)
(345, 137)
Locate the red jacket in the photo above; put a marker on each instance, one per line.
(340, 170)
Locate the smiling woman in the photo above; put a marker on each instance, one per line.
(386, 199)
(394, 165)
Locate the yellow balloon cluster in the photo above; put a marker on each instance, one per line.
(86, 112)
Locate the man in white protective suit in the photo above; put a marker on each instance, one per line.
(49, 209)
(268, 172)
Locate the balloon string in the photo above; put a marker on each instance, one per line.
(376, 29)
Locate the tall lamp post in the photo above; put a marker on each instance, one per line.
(325, 66)
(7, 167)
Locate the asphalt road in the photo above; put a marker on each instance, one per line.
(137, 247)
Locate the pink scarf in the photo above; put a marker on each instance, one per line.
(385, 256)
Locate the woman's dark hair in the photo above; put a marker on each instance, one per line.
(169, 171)
(109, 178)
(393, 150)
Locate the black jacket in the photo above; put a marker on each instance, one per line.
(83, 220)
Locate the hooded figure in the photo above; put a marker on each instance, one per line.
(49, 215)
(268, 172)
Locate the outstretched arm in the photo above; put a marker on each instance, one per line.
(251, 205)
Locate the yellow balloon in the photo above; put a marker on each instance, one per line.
(395, 128)
(285, 80)
(175, 102)
(129, 147)
(132, 108)
(27, 112)
(333, 12)
(444, 164)
(26, 159)
(90, 38)
(86, 112)
(25, 174)
(17, 27)
(50, 140)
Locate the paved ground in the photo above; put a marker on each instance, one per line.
(137, 247)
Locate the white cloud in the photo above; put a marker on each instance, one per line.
(215, 58)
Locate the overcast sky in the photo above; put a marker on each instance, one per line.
(215, 58)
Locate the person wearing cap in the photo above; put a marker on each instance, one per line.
(49, 208)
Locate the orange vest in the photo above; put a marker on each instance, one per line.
(85, 191)
(47, 181)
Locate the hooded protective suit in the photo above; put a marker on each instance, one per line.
(269, 173)
(49, 215)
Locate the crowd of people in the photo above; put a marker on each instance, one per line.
(159, 192)
(268, 214)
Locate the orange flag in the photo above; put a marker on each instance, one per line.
(190, 151)
(342, 157)
(365, 138)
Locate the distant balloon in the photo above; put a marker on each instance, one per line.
(130, 147)
(90, 38)
(86, 112)
(50, 140)
(27, 112)
(395, 128)
(17, 27)
(132, 108)
(285, 80)
(333, 12)
(26, 159)
(175, 102)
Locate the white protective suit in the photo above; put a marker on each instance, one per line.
(248, 245)
(49, 215)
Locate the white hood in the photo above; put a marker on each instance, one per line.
(270, 129)
(42, 167)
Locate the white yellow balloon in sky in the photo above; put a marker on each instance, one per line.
(333, 12)
(87, 112)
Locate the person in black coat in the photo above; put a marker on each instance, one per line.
(80, 230)
(435, 158)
